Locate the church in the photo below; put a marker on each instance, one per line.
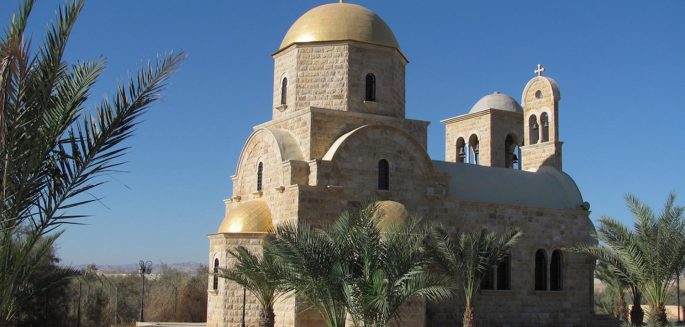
(339, 136)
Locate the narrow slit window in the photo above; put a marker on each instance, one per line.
(504, 274)
(284, 91)
(540, 270)
(370, 88)
(260, 172)
(383, 175)
(215, 277)
(555, 271)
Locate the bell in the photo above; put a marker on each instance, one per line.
(476, 148)
(545, 124)
(535, 126)
(515, 159)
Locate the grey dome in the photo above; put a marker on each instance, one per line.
(497, 100)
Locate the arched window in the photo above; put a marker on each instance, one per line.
(555, 271)
(370, 87)
(488, 280)
(474, 150)
(540, 270)
(383, 175)
(510, 152)
(260, 172)
(533, 129)
(461, 150)
(215, 277)
(284, 91)
(504, 274)
(544, 123)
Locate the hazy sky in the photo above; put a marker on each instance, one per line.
(620, 66)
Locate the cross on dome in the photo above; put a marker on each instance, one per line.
(540, 70)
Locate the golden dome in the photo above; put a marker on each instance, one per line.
(340, 22)
(391, 214)
(251, 216)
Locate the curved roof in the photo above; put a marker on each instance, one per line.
(391, 213)
(251, 216)
(288, 148)
(340, 22)
(546, 188)
(497, 100)
(550, 82)
(340, 142)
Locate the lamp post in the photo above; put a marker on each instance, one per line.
(677, 292)
(144, 268)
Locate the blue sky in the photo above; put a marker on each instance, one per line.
(620, 66)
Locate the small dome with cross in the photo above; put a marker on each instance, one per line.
(497, 101)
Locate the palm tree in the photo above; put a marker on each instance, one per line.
(259, 275)
(646, 257)
(51, 152)
(615, 288)
(311, 263)
(385, 267)
(469, 256)
(354, 266)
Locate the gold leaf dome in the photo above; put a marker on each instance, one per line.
(340, 22)
(251, 216)
(392, 214)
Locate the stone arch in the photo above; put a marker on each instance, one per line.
(544, 127)
(474, 149)
(461, 150)
(540, 270)
(333, 152)
(556, 275)
(271, 147)
(533, 129)
(288, 147)
(512, 151)
(355, 156)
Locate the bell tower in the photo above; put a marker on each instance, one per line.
(542, 146)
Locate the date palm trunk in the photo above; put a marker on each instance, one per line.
(621, 310)
(637, 315)
(660, 312)
(469, 317)
(267, 318)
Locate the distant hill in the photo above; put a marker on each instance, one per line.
(186, 267)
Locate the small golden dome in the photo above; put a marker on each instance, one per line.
(340, 22)
(251, 216)
(391, 214)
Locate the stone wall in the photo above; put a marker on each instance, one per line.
(285, 66)
(542, 154)
(541, 95)
(388, 66)
(224, 306)
(504, 123)
(478, 124)
(333, 76)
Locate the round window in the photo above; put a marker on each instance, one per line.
(538, 94)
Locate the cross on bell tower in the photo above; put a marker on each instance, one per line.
(540, 70)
